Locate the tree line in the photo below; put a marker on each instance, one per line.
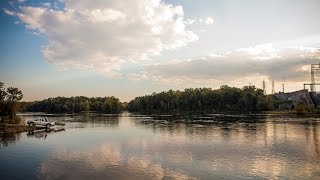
(9, 98)
(204, 100)
(76, 104)
(246, 99)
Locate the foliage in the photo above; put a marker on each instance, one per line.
(14, 94)
(302, 109)
(76, 104)
(247, 99)
(8, 103)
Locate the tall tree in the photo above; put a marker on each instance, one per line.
(8, 103)
(2, 98)
(2, 92)
(14, 94)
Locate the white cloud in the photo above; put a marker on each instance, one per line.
(209, 21)
(46, 4)
(290, 64)
(9, 12)
(105, 35)
(262, 52)
(201, 21)
(190, 21)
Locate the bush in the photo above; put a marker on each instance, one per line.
(302, 109)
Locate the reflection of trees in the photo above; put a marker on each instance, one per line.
(97, 120)
(253, 147)
(204, 126)
(8, 139)
(81, 120)
(262, 146)
(316, 137)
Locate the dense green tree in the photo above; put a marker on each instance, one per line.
(3, 93)
(76, 104)
(204, 100)
(247, 99)
(8, 102)
(2, 100)
(13, 96)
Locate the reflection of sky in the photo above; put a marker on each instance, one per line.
(105, 161)
(134, 149)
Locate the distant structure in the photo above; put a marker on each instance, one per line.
(310, 98)
(314, 68)
(264, 87)
(272, 91)
(297, 97)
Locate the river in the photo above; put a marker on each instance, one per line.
(127, 146)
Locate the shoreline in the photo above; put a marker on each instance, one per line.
(11, 129)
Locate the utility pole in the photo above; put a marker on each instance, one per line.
(264, 87)
(272, 87)
(283, 88)
(313, 81)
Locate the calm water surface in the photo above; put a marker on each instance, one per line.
(127, 146)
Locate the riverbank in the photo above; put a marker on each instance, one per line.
(14, 128)
(275, 112)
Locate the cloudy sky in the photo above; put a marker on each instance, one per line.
(128, 48)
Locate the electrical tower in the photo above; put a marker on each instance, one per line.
(272, 87)
(264, 87)
(314, 67)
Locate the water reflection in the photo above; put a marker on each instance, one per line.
(84, 120)
(43, 133)
(140, 147)
(108, 161)
(219, 127)
(266, 147)
(8, 139)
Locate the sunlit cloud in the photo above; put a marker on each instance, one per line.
(131, 40)
(105, 35)
(209, 21)
(9, 12)
(290, 64)
(206, 21)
